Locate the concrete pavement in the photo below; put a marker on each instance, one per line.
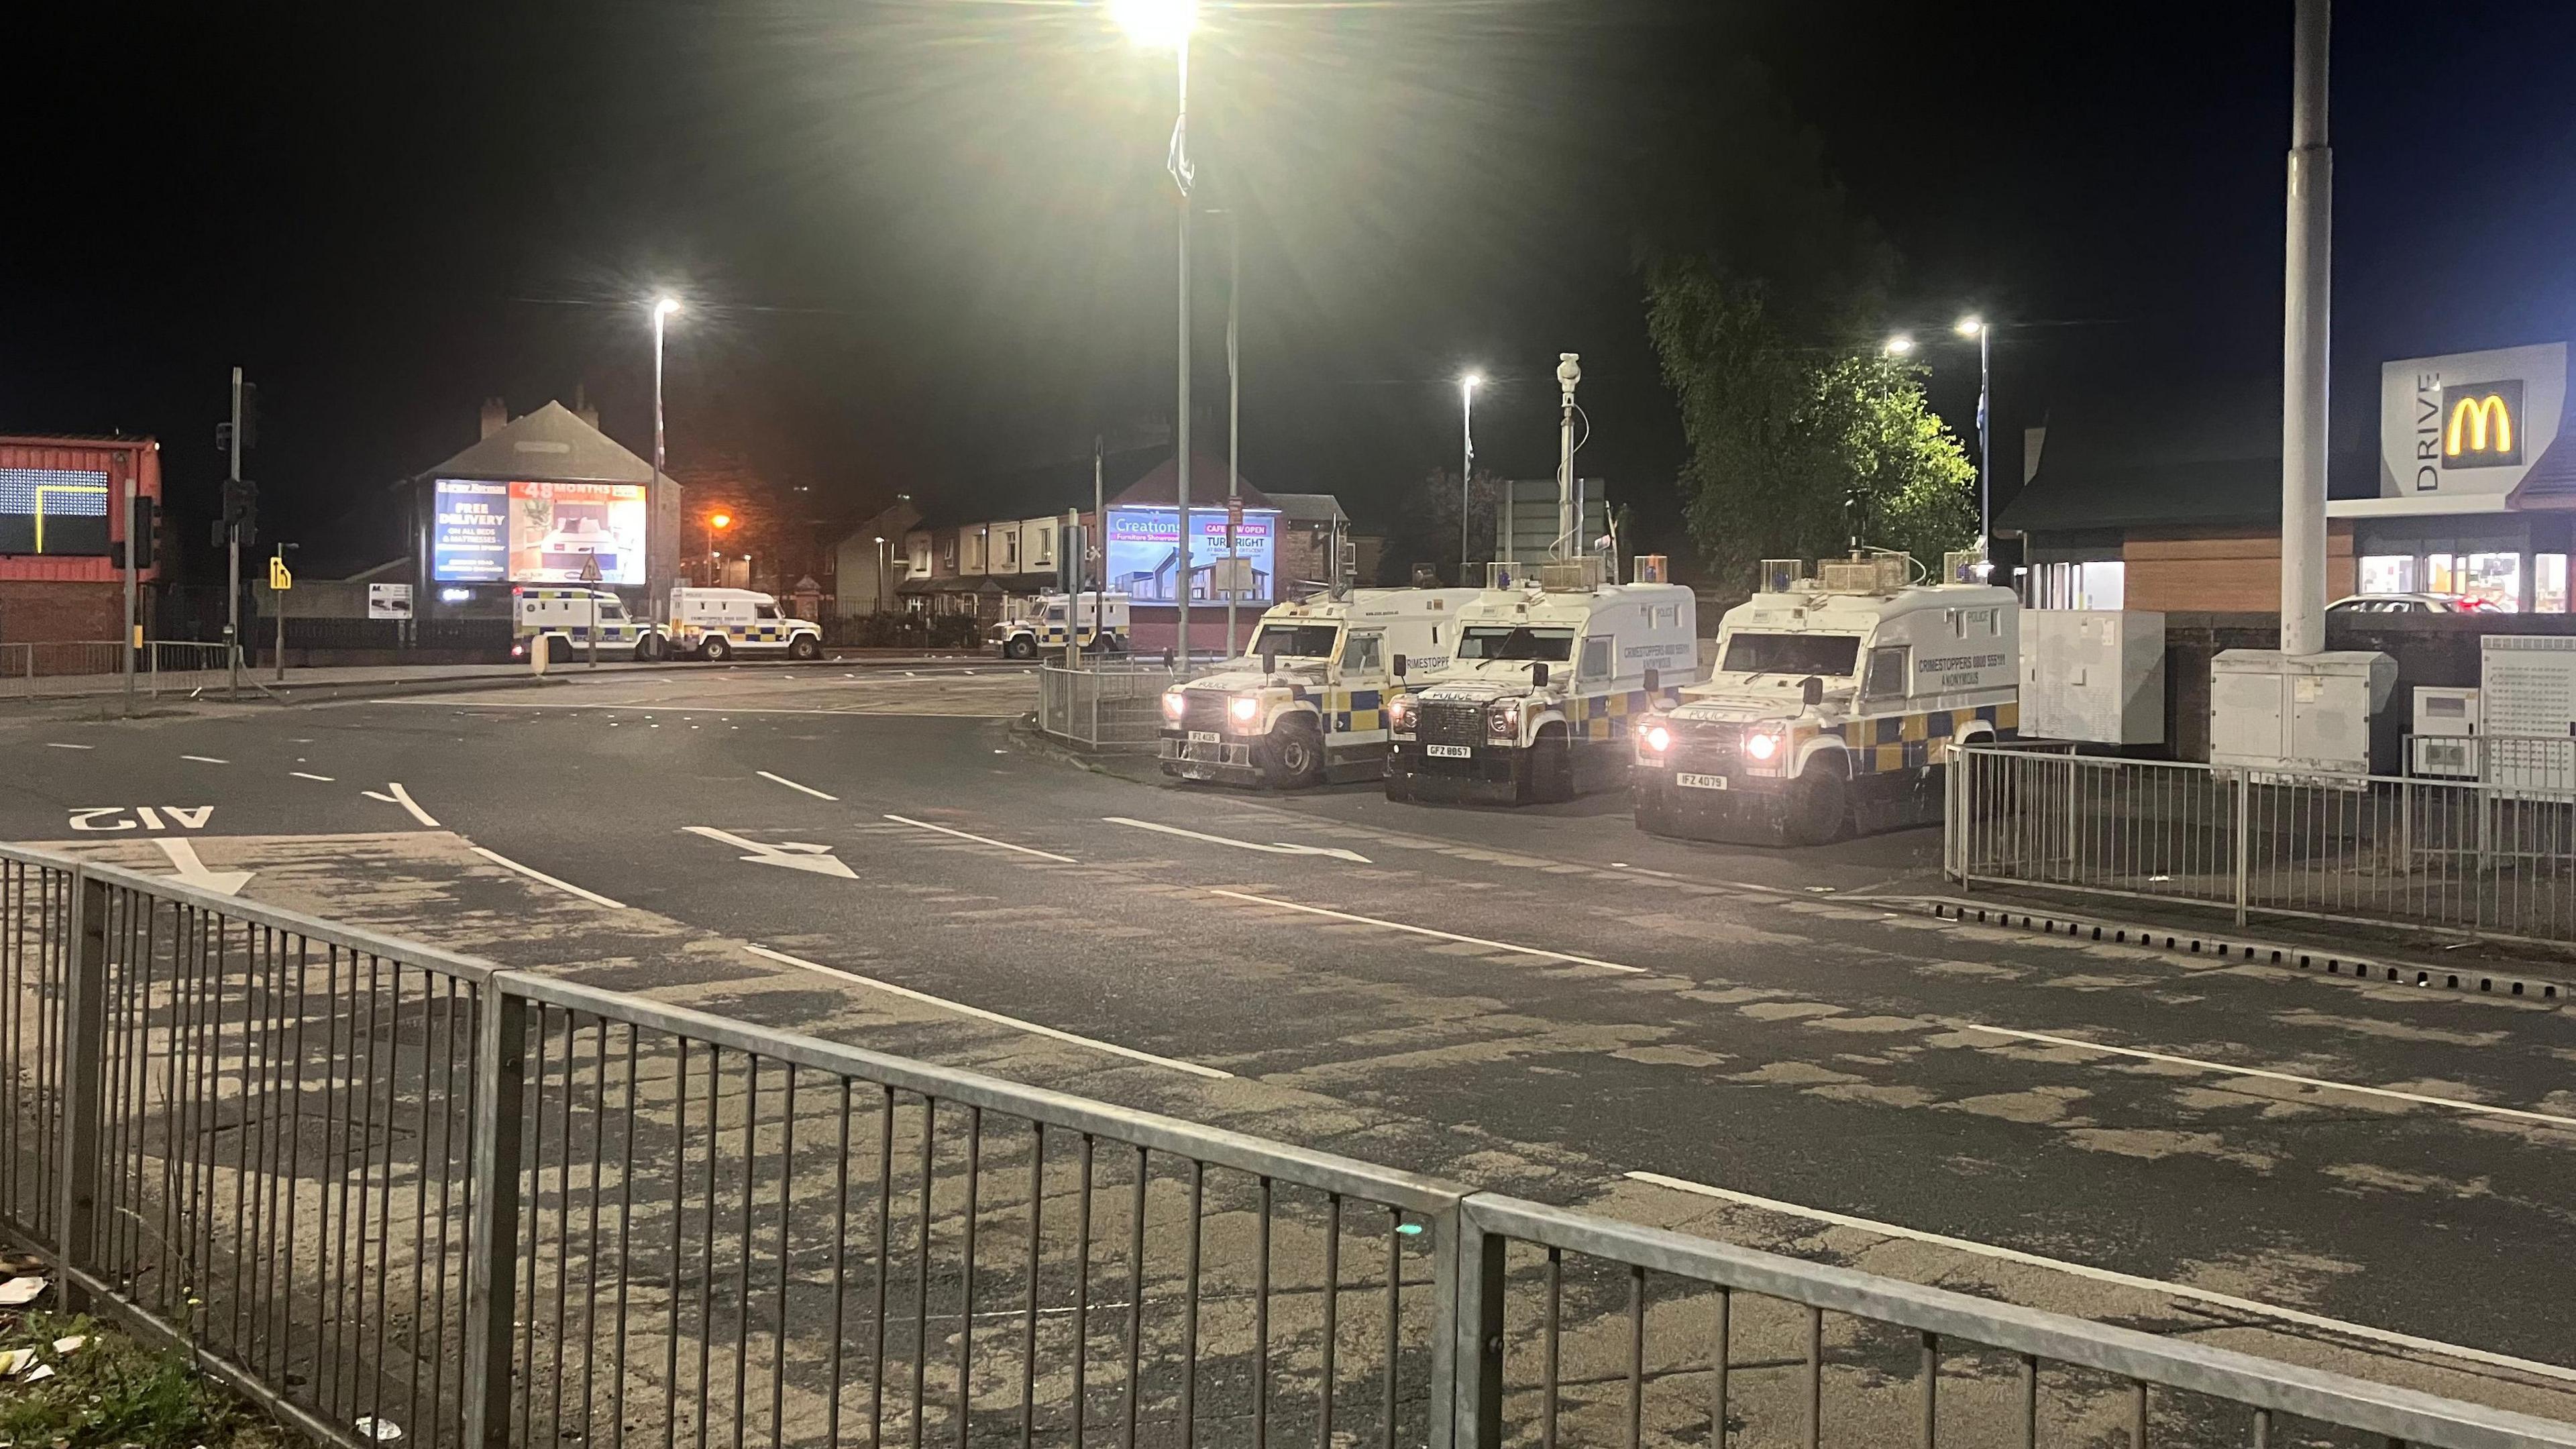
(1542, 1001)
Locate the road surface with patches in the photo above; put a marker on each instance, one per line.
(1771, 1045)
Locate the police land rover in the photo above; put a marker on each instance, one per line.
(1094, 621)
(1307, 702)
(1553, 664)
(563, 622)
(1834, 705)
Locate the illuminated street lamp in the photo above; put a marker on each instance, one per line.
(1466, 460)
(1166, 25)
(1899, 345)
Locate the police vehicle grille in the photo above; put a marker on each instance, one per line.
(1449, 722)
(1202, 710)
(1708, 747)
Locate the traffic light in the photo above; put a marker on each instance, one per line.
(142, 529)
(241, 500)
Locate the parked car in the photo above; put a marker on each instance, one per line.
(2411, 604)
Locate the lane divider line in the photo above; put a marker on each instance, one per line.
(403, 798)
(1539, 951)
(205, 759)
(792, 785)
(2558, 1372)
(532, 873)
(1278, 848)
(59, 745)
(984, 840)
(2519, 1113)
(309, 775)
(997, 1018)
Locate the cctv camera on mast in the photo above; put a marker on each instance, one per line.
(1569, 372)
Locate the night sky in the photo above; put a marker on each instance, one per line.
(924, 239)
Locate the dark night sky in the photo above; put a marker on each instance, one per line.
(928, 237)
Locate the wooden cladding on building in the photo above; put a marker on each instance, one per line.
(2222, 571)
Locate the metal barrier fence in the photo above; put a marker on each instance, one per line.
(375, 1185)
(1110, 707)
(2479, 858)
(97, 666)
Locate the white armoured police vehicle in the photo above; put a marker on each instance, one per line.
(561, 621)
(1308, 701)
(719, 623)
(1551, 668)
(1096, 621)
(1835, 704)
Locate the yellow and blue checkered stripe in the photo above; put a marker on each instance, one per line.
(1909, 741)
(1345, 711)
(1606, 716)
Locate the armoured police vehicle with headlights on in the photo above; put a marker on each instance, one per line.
(1307, 703)
(1835, 704)
(1552, 666)
(1089, 620)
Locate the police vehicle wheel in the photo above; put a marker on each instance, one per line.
(1552, 768)
(648, 648)
(717, 649)
(1020, 647)
(1293, 756)
(1819, 808)
(804, 646)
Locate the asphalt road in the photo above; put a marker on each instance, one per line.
(1541, 1001)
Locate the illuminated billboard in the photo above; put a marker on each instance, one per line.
(53, 511)
(537, 533)
(1144, 555)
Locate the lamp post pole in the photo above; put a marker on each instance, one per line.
(1233, 416)
(663, 307)
(1180, 167)
(1466, 466)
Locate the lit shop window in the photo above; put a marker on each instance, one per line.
(2549, 583)
(2439, 576)
(2494, 577)
(2388, 573)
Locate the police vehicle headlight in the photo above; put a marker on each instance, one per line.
(1658, 738)
(1399, 713)
(1761, 744)
(1173, 704)
(1504, 719)
(1245, 708)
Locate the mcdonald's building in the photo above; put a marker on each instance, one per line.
(2477, 480)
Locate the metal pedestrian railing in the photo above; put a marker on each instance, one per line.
(97, 666)
(378, 1186)
(2492, 857)
(1107, 706)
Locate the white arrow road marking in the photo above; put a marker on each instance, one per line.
(532, 873)
(1276, 848)
(980, 1014)
(795, 855)
(402, 797)
(1538, 951)
(790, 784)
(2559, 1372)
(192, 871)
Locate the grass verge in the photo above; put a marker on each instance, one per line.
(110, 1392)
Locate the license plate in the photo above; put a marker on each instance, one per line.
(1203, 737)
(1449, 752)
(1700, 782)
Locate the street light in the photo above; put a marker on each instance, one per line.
(664, 307)
(1166, 25)
(1899, 345)
(881, 573)
(1466, 460)
(1975, 326)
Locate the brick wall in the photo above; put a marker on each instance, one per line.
(41, 613)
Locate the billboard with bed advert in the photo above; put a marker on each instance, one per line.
(537, 533)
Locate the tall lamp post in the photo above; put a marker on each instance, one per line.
(1975, 326)
(1466, 462)
(1166, 25)
(663, 308)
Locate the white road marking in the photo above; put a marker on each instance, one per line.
(792, 785)
(2126, 1280)
(984, 840)
(308, 775)
(1540, 951)
(59, 745)
(732, 708)
(151, 817)
(1277, 848)
(205, 759)
(402, 797)
(2426, 1098)
(794, 855)
(192, 871)
(997, 1018)
(533, 873)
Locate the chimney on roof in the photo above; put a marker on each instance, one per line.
(496, 416)
(583, 408)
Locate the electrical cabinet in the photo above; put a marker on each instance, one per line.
(2095, 675)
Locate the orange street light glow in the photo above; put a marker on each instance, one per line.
(719, 520)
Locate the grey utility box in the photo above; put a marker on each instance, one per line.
(2296, 715)
(2095, 675)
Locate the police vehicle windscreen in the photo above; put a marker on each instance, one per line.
(1831, 655)
(1519, 641)
(1295, 641)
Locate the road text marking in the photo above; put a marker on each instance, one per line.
(1276, 848)
(1540, 951)
(792, 785)
(995, 1017)
(984, 840)
(104, 818)
(2518, 1113)
(2125, 1280)
(532, 873)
